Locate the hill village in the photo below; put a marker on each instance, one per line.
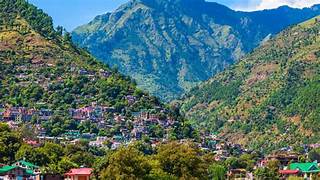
(142, 126)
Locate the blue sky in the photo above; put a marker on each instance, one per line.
(72, 13)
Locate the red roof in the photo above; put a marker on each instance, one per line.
(80, 171)
(289, 171)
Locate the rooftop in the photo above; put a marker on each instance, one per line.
(309, 167)
(79, 171)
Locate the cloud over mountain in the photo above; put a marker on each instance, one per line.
(269, 4)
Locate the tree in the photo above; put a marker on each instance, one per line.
(248, 160)
(67, 37)
(314, 155)
(235, 163)
(27, 131)
(217, 172)
(125, 163)
(65, 165)
(182, 160)
(60, 30)
(265, 173)
(82, 158)
(10, 143)
(273, 165)
(33, 155)
(54, 152)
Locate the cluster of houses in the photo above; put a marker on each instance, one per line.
(126, 130)
(289, 166)
(23, 170)
(122, 129)
(289, 163)
(22, 114)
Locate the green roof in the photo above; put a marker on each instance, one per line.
(5, 169)
(28, 164)
(30, 172)
(310, 167)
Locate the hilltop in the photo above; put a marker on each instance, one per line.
(270, 99)
(168, 47)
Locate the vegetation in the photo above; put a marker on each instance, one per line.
(168, 47)
(42, 69)
(137, 161)
(269, 96)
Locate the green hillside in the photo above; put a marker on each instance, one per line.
(270, 98)
(170, 46)
(42, 69)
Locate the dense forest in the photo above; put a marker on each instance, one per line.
(269, 96)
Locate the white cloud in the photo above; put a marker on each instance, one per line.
(271, 4)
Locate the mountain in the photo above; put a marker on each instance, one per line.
(270, 99)
(40, 69)
(170, 46)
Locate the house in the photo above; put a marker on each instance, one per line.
(45, 114)
(28, 166)
(13, 125)
(115, 145)
(284, 174)
(18, 114)
(104, 73)
(32, 143)
(16, 172)
(99, 142)
(307, 169)
(72, 134)
(283, 157)
(79, 174)
(10, 114)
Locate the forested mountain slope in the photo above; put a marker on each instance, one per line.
(270, 98)
(170, 46)
(40, 68)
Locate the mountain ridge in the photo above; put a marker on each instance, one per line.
(168, 47)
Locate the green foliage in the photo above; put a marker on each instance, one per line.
(182, 160)
(55, 158)
(269, 96)
(42, 69)
(170, 161)
(217, 172)
(11, 9)
(269, 172)
(37, 156)
(126, 164)
(10, 143)
(265, 173)
(314, 155)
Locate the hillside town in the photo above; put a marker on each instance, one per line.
(142, 126)
(120, 129)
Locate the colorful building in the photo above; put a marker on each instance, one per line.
(79, 174)
(16, 173)
(306, 169)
